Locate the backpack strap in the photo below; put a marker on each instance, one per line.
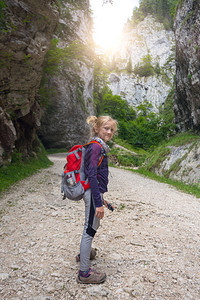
(100, 161)
(92, 142)
(75, 152)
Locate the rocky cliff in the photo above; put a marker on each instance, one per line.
(26, 31)
(180, 163)
(187, 93)
(146, 64)
(45, 70)
(67, 90)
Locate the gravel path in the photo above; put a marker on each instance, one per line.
(149, 246)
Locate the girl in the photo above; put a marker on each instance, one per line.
(103, 129)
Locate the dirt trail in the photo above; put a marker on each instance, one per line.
(149, 246)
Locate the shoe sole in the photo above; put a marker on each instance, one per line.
(83, 282)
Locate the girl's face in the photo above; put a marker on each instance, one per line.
(106, 131)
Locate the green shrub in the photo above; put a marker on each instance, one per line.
(141, 127)
(144, 68)
(125, 158)
(117, 107)
(129, 68)
(58, 57)
(163, 10)
(56, 61)
(157, 69)
(146, 130)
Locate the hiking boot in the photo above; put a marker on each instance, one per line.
(93, 253)
(93, 277)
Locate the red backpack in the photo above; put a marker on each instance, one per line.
(74, 183)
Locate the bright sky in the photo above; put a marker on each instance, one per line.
(110, 19)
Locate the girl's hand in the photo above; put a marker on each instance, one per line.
(99, 212)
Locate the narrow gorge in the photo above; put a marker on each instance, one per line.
(47, 71)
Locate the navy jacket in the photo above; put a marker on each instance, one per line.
(97, 176)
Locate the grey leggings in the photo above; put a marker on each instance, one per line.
(90, 227)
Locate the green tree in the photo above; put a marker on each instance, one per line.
(116, 107)
(163, 10)
(141, 128)
(148, 129)
(100, 82)
(145, 67)
(129, 66)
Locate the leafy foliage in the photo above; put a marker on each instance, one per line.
(129, 66)
(81, 4)
(124, 158)
(148, 129)
(163, 10)
(117, 107)
(100, 87)
(140, 127)
(167, 113)
(144, 68)
(59, 60)
(58, 57)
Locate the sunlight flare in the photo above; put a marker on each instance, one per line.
(109, 21)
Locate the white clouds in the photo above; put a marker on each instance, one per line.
(109, 19)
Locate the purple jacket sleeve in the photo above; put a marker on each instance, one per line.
(93, 155)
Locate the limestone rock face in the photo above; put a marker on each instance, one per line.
(26, 30)
(147, 38)
(182, 163)
(70, 89)
(136, 90)
(187, 93)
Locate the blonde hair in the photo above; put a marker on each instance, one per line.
(97, 122)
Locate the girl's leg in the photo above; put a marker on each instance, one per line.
(90, 227)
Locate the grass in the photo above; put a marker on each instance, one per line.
(21, 169)
(126, 145)
(182, 139)
(159, 154)
(124, 158)
(56, 150)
